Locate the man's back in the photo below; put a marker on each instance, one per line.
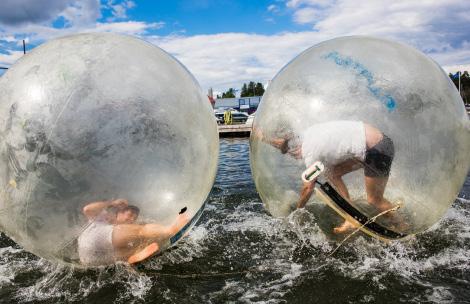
(333, 142)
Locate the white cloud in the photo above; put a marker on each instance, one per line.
(306, 15)
(77, 16)
(228, 59)
(8, 59)
(273, 8)
(32, 20)
(82, 13)
(429, 25)
(455, 68)
(16, 12)
(316, 3)
(225, 60)
(8, 38)
(119, 10)
(454, 59)
(126, 27)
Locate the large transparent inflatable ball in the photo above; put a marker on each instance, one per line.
(321, 106)
(90, 125)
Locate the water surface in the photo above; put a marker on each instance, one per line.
(238, 253)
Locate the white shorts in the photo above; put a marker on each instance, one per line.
(95, 245)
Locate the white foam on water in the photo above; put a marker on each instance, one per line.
(435, 294)
(7, 272)
(253, 290)
(49, 285)
(303, 224)
(138, 285)
(186, 250)
(372, 260)
(63, 283)
(274, 289)
(269, 247)
(276, 263)
(411, 261)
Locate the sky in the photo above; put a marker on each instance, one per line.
(226, 43)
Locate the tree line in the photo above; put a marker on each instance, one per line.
(248, 90)
(257, 89)
(464, 85)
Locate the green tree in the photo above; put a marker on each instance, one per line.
(244, 91)
(464, 85)
(251, 89)
(229, 94)
(259, 89)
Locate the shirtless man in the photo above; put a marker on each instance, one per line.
(112, 234)
(343, 147)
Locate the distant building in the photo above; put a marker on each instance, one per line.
(243, 104)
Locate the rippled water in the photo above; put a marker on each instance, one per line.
(238, 253)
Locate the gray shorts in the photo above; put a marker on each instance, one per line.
(379, 158)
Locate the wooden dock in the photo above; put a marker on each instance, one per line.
(237, 130)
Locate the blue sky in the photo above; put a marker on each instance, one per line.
(225, 43)
(212, 17)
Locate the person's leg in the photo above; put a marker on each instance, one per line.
(132, 235)
(377, 166)
(335, 176)
(127, 238)
(375, 188)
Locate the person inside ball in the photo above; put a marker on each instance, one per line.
(343, 147)
(112, 234)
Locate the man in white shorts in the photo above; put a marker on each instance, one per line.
(112, 235)
(343, 147)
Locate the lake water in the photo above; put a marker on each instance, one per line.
(238, 253)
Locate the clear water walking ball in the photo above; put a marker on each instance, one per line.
(358, 81)
(97, 117)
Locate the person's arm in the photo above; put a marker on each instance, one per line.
(91, 210)
(306, 193)
(279, 143)
(156, 232)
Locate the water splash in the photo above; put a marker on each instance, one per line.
(239, 253)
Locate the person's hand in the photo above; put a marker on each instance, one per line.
(296, 152)
(120, 203)
(306, 192)
(309, 184)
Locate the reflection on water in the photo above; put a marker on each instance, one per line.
(238, 253)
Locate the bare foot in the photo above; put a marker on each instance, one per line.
(393, 219)
(391, 207)
(344, 227)
(143, 254)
